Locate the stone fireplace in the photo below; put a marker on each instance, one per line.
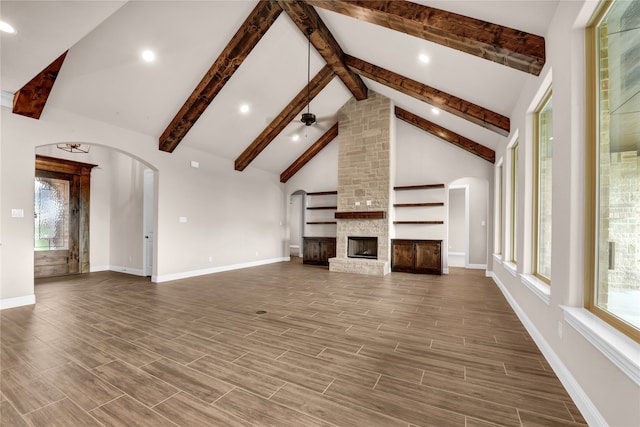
(365, 146)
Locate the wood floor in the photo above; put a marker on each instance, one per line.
(331, 349)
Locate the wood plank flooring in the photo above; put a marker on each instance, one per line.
(332, 349)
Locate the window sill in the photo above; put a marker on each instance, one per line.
(497, 258)
(617, 347)
(511, 268)
(538, 287)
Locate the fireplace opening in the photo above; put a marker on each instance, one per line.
(362, 247)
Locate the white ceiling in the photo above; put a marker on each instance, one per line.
(104, 77)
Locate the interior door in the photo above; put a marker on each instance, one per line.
(56, 224)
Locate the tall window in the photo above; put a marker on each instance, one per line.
(500, 196)
(514, 203)
(613, 278)
(542, 189)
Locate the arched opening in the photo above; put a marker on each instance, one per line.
(297, 202)
(122, 210)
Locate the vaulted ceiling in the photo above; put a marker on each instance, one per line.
(205, 68)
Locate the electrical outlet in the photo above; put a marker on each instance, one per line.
(357, 203)
(368, 202)
(210, 259)
(257, 253)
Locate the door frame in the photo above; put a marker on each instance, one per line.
(83, 171)
(464, 187)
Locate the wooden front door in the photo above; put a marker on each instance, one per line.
(56, 249)
(61, 217)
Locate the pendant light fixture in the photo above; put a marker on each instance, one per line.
(308, 118)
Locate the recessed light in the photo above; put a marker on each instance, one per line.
(148, 55)
(295, 137)
(435, 111)
(244, 108)
(7, 28)
(423, 58)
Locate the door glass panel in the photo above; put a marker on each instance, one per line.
(51, 219)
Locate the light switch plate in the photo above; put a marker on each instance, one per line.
(17, 213)
(182, 219)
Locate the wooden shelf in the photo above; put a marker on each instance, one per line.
(321, 207)
(361, 215)
(322, 222)
(412, 205)
(418, 187)
(418, 222)
(322, 193)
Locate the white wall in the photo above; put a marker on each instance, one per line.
(425, 159)
(236, 218)
(605, 394)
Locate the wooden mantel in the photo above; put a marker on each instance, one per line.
(361, 215)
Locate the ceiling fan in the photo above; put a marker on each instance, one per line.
(308, 118)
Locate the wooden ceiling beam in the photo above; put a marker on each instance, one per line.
(447, 135)
(311, 152)
(445, 101)
(288, 114)
(241, 44)
(507, 46)
(305, 17)
(30, 100)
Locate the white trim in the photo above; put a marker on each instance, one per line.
(497, 258)
(295, 246)
(117, 269)
(488, 273)
(617, 347)
(581, 399)
(445, 270)
(467, 228)
(511, 268)
(455, 253)
(6, 99)
(17, 301)
(476, 266)
(538, 287)
(193, 273)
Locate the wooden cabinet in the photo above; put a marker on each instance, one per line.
(318, 250)
(416, 256)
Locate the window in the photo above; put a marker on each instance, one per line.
(499, 221)
(514, 203)
(543, 139)
(613, 192)
(51, 219)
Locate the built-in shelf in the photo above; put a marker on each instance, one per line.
(412, 205)
(322, 222)
(419, 204)
(418, 187)
(321, 207)
(418, 222)
(322, 193)
(361, 215)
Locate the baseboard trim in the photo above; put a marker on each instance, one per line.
(476, 266)
(17, 301)
(96, 268)
(194, 273)
(581, 399)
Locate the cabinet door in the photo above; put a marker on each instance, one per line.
(327, 250)
(402, 256)
(311, 251)
(428, 257)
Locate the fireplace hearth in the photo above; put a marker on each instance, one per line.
(362, 247)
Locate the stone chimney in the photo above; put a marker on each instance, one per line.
(366, 143)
